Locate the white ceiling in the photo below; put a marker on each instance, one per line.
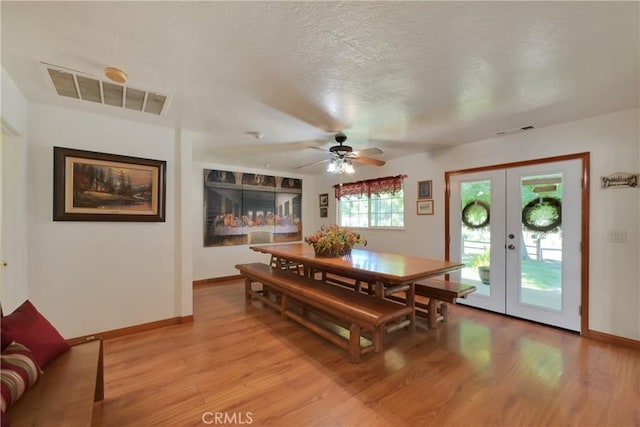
(402, 76)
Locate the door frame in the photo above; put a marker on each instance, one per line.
(585, 178)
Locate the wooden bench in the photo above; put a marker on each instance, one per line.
(360, 312)
(65, 393)
(440, 292)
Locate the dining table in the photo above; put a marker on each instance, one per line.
(388, 272)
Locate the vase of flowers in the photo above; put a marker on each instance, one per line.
(333, 241)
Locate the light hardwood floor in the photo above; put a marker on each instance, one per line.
(245, 363)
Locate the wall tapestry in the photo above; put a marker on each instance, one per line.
(246, 208)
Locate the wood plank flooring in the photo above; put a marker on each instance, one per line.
(241, 363)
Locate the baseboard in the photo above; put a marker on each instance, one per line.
(614, 339)
(216, 281)
(116, 333)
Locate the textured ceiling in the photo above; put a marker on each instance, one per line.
(401, 76)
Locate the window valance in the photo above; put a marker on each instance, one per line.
(389, 184)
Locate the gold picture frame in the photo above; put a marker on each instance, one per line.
(424, 207)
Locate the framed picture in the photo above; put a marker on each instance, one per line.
(425, 207)
(424, 190)
(324, 213)
(324, 199)
(90, 186)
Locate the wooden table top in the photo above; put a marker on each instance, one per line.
(391, 268)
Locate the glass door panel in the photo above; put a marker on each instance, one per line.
(476, 236)
(541, 233)
(543, 243)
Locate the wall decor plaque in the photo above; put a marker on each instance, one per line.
(619, 180)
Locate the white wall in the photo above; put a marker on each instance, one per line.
(88, 277)
(14, 201)
(614, 143)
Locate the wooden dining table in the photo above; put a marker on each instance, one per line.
(388, 272)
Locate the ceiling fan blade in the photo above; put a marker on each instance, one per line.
(321, 149)
(267, 148)
(314, 163)
(369, 161)
(367, 152)
(282, 98)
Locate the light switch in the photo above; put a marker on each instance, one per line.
(618, 236)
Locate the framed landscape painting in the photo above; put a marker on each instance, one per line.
(90, 186)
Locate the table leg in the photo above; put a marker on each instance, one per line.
(411, 302)
(379, 289)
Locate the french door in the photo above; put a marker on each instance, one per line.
(518, 231)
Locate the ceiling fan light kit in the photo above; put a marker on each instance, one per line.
(343, 157)
(340, 166)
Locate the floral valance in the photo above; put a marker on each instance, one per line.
(389, 184)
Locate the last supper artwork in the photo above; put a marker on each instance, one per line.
(247, 208)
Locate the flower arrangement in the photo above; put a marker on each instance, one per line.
(333, 240)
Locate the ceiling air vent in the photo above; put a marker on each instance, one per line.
(74, 84)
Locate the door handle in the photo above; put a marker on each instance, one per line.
(511, 246)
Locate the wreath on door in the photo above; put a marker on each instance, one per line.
(542, 214)
(476, 214)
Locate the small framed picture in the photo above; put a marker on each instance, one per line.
(324, 199)
(425, 207)
(323, 213)
(424, 190)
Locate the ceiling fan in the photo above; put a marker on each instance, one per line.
(343, 156)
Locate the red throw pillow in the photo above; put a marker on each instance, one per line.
(27, 326)
(19, 372)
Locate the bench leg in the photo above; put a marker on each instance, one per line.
(444, 311)
(247, 289)
(378, 338)
(354, 343)
(284, 301)
(433, 313)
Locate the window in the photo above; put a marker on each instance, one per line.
(372, 203)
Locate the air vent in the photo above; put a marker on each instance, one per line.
(72, 84)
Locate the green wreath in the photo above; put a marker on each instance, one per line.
(542, 214)
(476, 214)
